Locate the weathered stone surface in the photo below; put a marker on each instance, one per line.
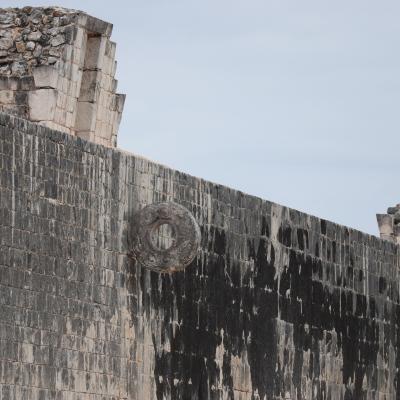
(79, 49)
(35, 36)
(6, 43)
(277, 304)
(30, 46)
(19, 68)
(389, 224)
(152, 252)
(7, 97)
(86, 118)
(6, 18)
(90, 87)
(42, 104)
(57, 40)
(94, 57)
(45, 76)
(21, 47)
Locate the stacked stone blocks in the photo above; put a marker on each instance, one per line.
(277, 305)
(389, 224)
(57, 68)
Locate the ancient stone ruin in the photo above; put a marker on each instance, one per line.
(122, 279)
(389, 224)
(57, 68)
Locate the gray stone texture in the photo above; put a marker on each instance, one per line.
(168, 250)
(389, 224)
(277, 305)
(57, 67)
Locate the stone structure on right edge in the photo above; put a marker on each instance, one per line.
(389, 224)
(122, 279)
(57, 68)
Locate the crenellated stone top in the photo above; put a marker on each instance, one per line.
(57, 68)
(389, 224)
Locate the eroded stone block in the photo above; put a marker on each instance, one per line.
(45, 76)
(42, 104)
(85, 116)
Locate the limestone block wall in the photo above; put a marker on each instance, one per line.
(278, 304)
(389, 224)
(57, 67)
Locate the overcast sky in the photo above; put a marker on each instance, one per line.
(293, 101)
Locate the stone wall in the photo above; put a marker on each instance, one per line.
(277, 305)
(57, 68)
(389, 224)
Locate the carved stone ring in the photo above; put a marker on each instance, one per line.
(184, 230)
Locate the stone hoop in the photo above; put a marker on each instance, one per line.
(186, 234)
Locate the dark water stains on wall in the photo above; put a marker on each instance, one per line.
(336, 332)
(277, 304)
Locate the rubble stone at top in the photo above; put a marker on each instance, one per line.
(32, 36)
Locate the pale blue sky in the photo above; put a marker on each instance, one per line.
(293, 101)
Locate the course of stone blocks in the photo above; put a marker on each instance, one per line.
(57, 68)
(277, 304)
(122, 279)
